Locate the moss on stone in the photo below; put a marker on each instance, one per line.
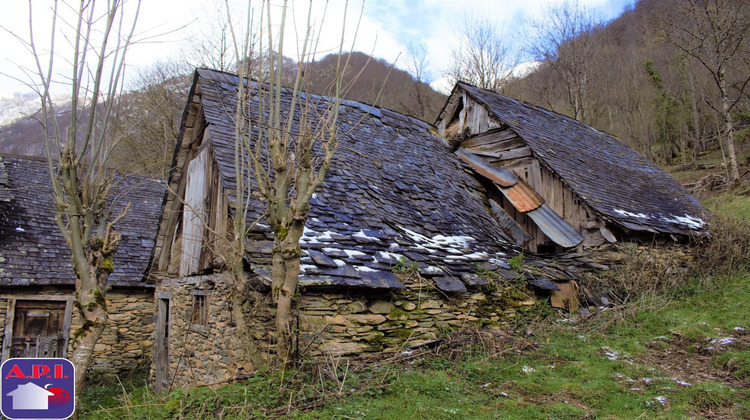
(397, 314)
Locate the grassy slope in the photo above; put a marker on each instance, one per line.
(663, 358)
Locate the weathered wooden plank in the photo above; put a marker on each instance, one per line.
(499, 147)
(509, 226)
(569, 210)
(449, 113)
(500, 176)
(554, 191)
(193, 215)
(476, 116)
(490, 137)
(499, 157)
(535, 177)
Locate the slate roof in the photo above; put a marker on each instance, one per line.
(392, 190)
(609, 176)
(5, 193)
(32, 250)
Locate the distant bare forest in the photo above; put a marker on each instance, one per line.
(645, 77)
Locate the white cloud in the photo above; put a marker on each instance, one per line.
(386, 29)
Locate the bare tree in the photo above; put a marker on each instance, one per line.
(483, 57)
(285, 140)
(417, 64)
(716, 34)
(210, 45)
(98, 39)
(563, 38)
(148, 122)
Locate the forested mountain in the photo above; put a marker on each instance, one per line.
(644, 78)
(374, 81)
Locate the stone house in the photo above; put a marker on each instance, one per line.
(394, 200)
(402, 233)
(36, 278)
(555, 183)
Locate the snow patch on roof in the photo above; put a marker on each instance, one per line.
(362, 234)
(687, 220)
(382, 256)
(451, 244)
(304, 267)
(310, 236)
(353, 253)
(629, 214)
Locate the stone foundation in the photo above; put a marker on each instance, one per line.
(340, 323)
(125, 344)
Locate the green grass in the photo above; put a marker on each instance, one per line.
(568, 369)
(737, 205)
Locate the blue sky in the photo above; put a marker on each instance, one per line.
(387, 28)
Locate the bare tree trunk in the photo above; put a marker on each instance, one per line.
(697, 141)
(734, 172)
(284, 276)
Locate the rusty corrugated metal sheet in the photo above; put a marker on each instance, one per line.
(499, 176)
(523, 197)
(555, 227)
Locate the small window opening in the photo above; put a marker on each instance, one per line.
(200, 310)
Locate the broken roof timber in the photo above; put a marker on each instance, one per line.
(526, 200)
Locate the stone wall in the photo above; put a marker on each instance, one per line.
(212, 351)
(125, 344)
(344, 324)
(336, 323)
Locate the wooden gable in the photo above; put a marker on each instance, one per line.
(615, 186)
(546, 213)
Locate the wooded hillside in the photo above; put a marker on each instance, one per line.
(150, 112)
(644, 77)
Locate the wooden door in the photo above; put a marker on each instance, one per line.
(162, 346)
(38, 329)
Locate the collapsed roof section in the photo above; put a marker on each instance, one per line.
(555, 154)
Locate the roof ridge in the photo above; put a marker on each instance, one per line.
(342, 101)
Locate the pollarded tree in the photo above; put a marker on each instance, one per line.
(98, 39)
(285, 140)
(716, 34)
